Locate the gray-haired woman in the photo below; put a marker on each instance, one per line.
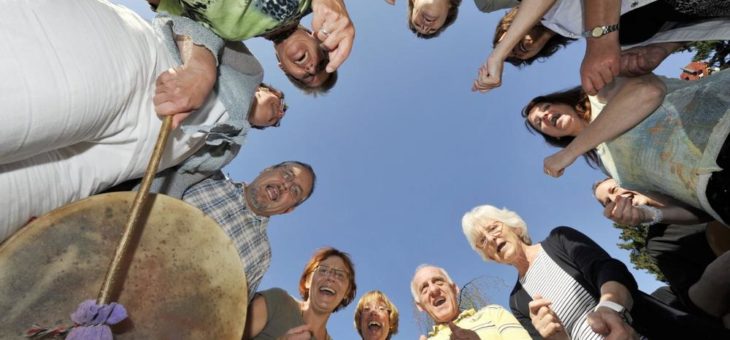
(568, 287)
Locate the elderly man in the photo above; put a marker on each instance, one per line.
(435, 293)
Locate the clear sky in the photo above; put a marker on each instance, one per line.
(402, 149)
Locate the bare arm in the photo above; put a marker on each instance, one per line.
(257, 317)
(601, 62)
(642, 60)
(630, 100)
(490, 74)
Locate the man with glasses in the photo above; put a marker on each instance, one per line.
(243, 210)
(436, 294)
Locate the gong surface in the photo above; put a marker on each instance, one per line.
(185, 280)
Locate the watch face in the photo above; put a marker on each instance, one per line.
(597, 32)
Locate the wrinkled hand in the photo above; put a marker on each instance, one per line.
(181, 90)
(490, 75)
(333, 27)
(297, 333)
(600, 64)
(458, 333)
(555, 164)
(623, 212)
(545, 321)
(642, 60)
(609, 324)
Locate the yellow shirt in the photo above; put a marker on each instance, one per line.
(490, 322)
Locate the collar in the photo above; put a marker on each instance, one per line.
(465, 314)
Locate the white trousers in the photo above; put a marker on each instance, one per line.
(76, 85)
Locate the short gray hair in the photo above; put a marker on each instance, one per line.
(481, 215)
(414, 290)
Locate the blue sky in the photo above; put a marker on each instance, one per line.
(402, 149)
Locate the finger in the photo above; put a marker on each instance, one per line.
(340, 48)
(299, 329)
(392, 2)
(535, 305)
(587, 84)
(608, 210)
(597, 323)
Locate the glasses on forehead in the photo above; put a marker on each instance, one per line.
(338, 274)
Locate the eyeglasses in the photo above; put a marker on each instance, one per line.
(339, 274)
(494, 229)
(378, 308)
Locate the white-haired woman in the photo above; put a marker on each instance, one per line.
(568, 287)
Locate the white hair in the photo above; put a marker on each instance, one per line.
(482, 215)
(414, 289)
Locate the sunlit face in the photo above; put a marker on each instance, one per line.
(429, 15)
(531, 43)
(269, 109)
(278, 190)
(375, 319)
(556, 120)
(328, 284)
(436, 296)
(301, 57)
(499, 242)
(607, 191)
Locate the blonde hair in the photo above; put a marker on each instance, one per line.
(376, 295)
(481, 215)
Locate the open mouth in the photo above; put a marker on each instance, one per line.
(501, 246)
(327, 291)
(374, 325)
(272, 192)
(554, 118)
(440, 301)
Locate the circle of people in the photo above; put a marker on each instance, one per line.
(92, 91)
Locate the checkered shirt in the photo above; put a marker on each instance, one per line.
(222, 200)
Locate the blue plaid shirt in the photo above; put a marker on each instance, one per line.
(222, 200)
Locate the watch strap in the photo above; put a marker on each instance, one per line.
(599, 31)
(621, 310)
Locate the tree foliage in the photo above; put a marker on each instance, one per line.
(715, 53)
(634, 240)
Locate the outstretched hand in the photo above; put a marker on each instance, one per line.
(544, 319)
(623, 212)
(610, 325)
(600, 65)
(490, 75)
(555, 164)
(181, 90)
(332, 25)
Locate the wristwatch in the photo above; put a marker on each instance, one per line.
(621, 310)
(599, 31)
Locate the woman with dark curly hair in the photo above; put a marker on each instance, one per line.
(326, 285)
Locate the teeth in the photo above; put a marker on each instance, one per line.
(328, 290)
(373, 324)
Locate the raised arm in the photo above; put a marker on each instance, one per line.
(490, 74)
(257, 317)
(601, 62)
(332, 25)
(629, 101)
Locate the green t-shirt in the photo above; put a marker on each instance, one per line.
(239, 19)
